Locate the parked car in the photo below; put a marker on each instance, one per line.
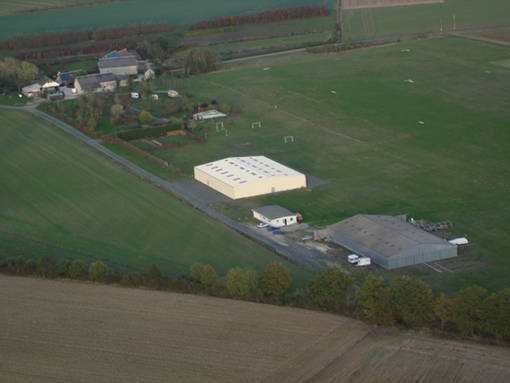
(263, 224)
(277, 232)
(353, 258)
(135, 95)
(431, 228)
(442, 227)
(306, 238)
(272, 228)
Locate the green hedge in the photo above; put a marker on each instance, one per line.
(148, 132)
(210, 30)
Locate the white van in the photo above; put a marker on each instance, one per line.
(353, 258)
(459, 241)
(364, 261)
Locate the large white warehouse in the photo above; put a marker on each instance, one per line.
(241, 177)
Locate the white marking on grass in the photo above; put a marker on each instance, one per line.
(433, 268)
(405, 50)
(421, 122)
(409, 80)
(333, 92)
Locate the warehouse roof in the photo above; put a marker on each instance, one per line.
(94, 81)
(273, 212)
(117, 62)
(235, 171)
(384, 234)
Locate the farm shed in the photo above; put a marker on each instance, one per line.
(63, 77)
(38, 86)
(275, 215)
(118, 66)
(389, 241)
(241, 177)
(208, 114)
(95, 83)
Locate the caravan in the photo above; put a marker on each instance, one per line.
(364, 261)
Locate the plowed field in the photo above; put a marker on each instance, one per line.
(53, 331)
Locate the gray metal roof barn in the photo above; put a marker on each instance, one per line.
(389, 241)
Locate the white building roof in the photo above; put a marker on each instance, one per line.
(208, 114)
(235, 171)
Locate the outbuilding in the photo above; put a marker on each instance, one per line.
(389, 241)
(241, 177)
(207, 115)
(275, 215)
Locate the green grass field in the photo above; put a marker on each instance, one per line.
(361, 24)
(56, 190)
(176, 12)
(367, 142)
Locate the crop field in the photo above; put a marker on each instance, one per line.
(367, 142)
(176, 12)
(56, 330)
(369, 23)
(18, 6)
(57, 191)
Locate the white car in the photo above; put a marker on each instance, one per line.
(135, 95)
(353, 258)
(262, 224)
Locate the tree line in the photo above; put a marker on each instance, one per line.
(335, 48)
(48, 39)
(402, 302)
(270, 15)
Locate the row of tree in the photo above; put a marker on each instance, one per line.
(49, 39)
(403, 301)
(96, 48)
(325, 49)
(199, 61)
(270, 15)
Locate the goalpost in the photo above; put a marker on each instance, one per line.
(218, 125)
(255, 123)
(291, 138)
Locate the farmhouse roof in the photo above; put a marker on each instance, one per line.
(118, 62)
(384, 234)
(122, 53)
(46, 82)
(31, 88)
(235, 171)
(64, 76)
(94, 81)
(273, 212)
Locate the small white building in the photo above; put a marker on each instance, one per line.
(275, 216)
(207, 115)
(241, 177)
(173, 93)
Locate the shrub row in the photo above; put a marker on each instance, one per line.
(270, 15)
(210, 30)
(325, 49)
(134, 134)
(196, 140)
(98, 48)
(48, 39)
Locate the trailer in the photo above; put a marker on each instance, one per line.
(364, 261)
(459, 241)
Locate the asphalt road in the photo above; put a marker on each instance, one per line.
(191, 193)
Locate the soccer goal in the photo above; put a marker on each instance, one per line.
(290, 138)
(255, 123)
(220, 126)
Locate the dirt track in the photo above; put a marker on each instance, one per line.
(356, 4)
(53, 331)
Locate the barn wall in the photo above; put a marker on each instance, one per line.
(421, 254)
(214, 183)
(266, 185)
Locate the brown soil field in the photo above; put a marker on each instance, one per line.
(500, 35)
(356, 4)
(54, 331)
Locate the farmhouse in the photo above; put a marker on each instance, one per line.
(119, 66)
(275, 215)
(95, 83)
(241, 177)
(389, 241)
(207, 115)
(39, 86)
(149, 72)
(63, 77)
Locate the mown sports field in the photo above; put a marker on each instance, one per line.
(60, 198)
(367, 141)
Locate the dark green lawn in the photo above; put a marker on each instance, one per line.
(367, 142)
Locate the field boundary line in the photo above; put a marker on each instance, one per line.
(339, 348)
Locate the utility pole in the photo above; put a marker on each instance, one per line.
(441, 19)
(454, 26)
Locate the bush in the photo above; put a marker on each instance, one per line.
(148, 132)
